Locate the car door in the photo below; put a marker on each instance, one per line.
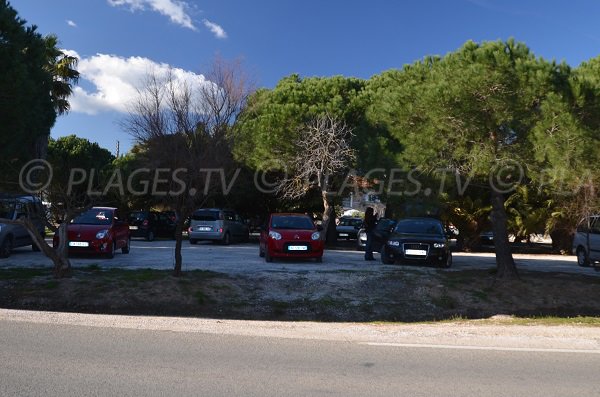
(20, 234)
(120, 230)
(382, 233)
(594, 238)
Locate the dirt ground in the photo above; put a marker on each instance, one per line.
(407, 295)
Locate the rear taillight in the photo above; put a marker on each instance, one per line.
(220, 230)
(145, 223)
(190, 229)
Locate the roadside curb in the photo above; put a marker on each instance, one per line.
(460, 335)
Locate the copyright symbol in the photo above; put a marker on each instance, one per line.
(35, 176)
(264, 180)
(505, 177)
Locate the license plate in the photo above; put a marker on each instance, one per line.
(79, 244)
(343, 234)
(297, 248)
(133, 228)
(416, 252)
(204, 229)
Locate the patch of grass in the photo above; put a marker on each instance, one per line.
(481, 295)
(52, 284)
(139, 275)
(24, 273)
(326, 302)
(445, 302)
(200, 297)
(279, 307)
(548, 320)
(94, 268)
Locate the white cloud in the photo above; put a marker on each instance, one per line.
(176, 10)
(217, 30)
(71, 23)
(115, 81)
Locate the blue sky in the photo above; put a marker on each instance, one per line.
(118, 41)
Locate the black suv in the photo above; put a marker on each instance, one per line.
(150, 224)
(14, 207)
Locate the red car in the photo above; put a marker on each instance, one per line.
(290, 236)
(99, 230)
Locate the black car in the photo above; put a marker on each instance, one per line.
(151, 224)
(382, 232)
(418, 240)
(348, 228)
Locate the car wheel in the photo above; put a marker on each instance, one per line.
(127, 246)
(226, 239)
(385, 258)
(448, 263)
(193, 241)
(150, 235)
(111, 253)
(582, 257)
(6, 247)
(268, 257)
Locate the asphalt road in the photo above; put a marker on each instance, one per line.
(244, 259)
(38, 359)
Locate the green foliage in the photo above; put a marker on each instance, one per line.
(268, 127)
(26, 109)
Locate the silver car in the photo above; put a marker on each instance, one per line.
(586, 242)
(217, 225)
(15, 207)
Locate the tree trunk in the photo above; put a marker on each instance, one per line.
(59, 256)
(328, 216)
(178, 244)
(504, 259)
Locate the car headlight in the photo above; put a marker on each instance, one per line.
(394, 243)
(439, 245)
(316, 236)
(275, 235)
(101, 234)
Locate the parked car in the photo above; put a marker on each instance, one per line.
(150, 224)
(290, 236)
(348, 228)
(217, 225)
(486, 238)
(586, 242)
(418, 240)
(14, 207)
(99, 230)
(380, 234)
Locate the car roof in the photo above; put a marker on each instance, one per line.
(417, 218)
(289, 214)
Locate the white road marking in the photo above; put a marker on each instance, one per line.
(490, 348)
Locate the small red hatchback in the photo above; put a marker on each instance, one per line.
(99, 230)
(290, 236)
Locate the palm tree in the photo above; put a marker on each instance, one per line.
(64, 75)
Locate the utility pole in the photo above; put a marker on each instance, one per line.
(117, 149)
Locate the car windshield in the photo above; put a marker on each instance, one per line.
(94, 217)
(205, 215)
(350, 222)
(418, 226)
(7, 209)
(292, 222)
(137, 216)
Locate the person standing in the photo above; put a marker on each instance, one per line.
(369, 224)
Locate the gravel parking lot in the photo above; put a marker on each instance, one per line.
(243, 259)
